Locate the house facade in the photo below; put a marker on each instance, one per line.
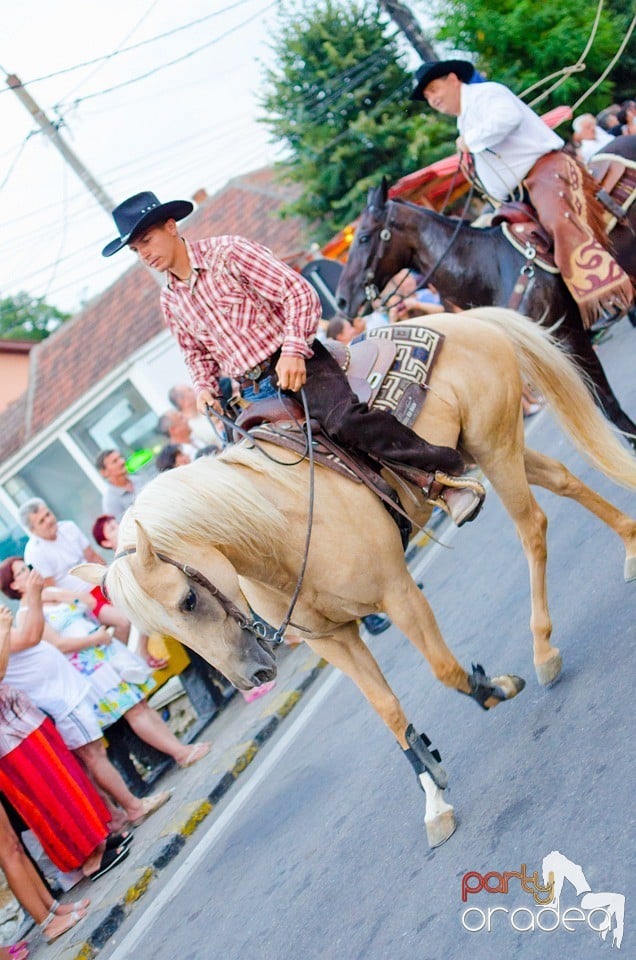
(102, 379)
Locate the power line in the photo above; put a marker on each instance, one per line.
(172, 63)
(135, 46)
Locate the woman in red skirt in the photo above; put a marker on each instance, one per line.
(46, 785)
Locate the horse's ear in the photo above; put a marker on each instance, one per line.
(384, 189)
(145, 549)
(89, 572)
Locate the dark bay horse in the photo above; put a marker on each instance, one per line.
(477, 267)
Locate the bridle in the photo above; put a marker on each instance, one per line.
(253, 623)
(371, 291)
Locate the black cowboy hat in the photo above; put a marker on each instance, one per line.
(141, 211)
(433, 69)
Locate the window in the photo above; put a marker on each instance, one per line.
(123, 421)
(59, 480)
(12, 537)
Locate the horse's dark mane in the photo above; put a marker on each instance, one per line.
(439, 217)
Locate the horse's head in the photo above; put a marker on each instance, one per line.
(199, 603)
(372, 259)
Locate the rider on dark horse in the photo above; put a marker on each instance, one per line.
(516, 155)
(237, 310)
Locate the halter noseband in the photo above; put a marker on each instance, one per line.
(253, 624)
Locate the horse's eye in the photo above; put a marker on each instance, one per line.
(190, 602)
(363, 238)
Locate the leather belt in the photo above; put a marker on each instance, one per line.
(251, 378)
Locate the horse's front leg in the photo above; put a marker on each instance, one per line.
(411, 612)
(346, 651)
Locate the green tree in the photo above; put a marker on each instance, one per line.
(23, 317)
(519, 42)
(338, 98)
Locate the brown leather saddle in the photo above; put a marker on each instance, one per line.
(365, 363)
(522, 229)
(617, 185)
(280, 420)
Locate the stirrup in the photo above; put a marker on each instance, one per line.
(460, 497)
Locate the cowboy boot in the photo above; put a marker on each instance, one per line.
(460, 497)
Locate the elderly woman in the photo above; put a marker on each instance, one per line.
(119, 679)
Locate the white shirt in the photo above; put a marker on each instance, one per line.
(588, 148)
(44, 673)
(54, 558)
(504, 135)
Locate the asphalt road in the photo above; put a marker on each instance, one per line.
(322, 853)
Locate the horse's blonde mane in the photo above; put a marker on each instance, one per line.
(211, 502)
(208, 502)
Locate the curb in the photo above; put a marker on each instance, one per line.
(174, 843)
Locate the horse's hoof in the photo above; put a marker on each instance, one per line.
(509, 685)
(630, 569)
(549, 671)
(441, 828)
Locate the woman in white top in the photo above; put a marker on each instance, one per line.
(43, 672)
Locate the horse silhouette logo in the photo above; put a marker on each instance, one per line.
(557, 868)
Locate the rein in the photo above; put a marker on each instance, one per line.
(371, 291)
(254, 624)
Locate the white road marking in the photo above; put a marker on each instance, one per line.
(163, 900)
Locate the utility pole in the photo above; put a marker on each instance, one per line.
(53, 133)
(408, 24)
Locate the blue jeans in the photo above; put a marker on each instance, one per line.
(265, 390)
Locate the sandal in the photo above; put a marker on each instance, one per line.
(76, 907)
(195, 753)
(71, 918)
(119, 839)
(109, 860)
(151, 804)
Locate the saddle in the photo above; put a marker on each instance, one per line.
(373, 368)
(617, 185)
(522, 229)
(365, 363)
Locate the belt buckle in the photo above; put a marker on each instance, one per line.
(255, 372)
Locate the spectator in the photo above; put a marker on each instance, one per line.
(175, 426)
(43, 673)
(105, 530)
(341, 330)
(54, 548)
(119, 679)
(608, 120)
(173, 455)
(588, 136)
(28, 888)
(121, 486)
(49, 790)
(406, 299)
(202, 433)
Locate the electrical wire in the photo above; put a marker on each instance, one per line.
(135, 46)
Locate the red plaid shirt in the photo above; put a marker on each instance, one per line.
(239, 305)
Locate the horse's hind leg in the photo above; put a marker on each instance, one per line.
(545, 472)
(505, 468)
(346, 651)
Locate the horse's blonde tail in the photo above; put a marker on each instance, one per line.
(566, 389)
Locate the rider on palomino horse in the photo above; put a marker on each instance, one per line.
(514, 151)
(237, 310)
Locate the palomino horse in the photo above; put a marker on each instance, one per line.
(204, 540)
(472, 267)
